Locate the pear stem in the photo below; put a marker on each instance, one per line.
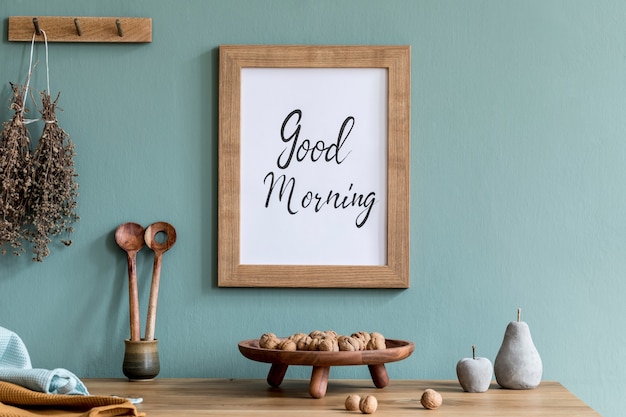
(519, 314)
(473, 352)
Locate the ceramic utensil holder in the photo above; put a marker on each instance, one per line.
(141, 359)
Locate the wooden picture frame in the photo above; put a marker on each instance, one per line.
(393, 271)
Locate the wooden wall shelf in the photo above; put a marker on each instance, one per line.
(80, 29)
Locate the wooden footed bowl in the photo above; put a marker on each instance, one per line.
(322, 361)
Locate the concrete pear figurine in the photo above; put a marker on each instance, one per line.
(518, 364)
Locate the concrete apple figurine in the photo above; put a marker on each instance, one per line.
(518, 364)
(474, 373)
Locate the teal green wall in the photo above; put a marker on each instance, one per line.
(518, 188)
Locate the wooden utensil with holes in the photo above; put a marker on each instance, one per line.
(158, 247)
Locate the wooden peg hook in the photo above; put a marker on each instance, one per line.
(78, 28)
(120, 31)
(36, 24)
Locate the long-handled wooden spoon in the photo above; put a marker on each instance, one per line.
(130, 237)
(158, 248)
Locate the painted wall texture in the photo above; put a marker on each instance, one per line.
(518, 188)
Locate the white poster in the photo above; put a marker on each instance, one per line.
(313, 166)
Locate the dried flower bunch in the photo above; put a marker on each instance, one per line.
(39, 190)
(52, 200)
(15, 176)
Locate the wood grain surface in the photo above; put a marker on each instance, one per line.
(253, 397)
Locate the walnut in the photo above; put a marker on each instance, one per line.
(361, 342)
(328, 344)
(287, 344)
(317, 334)
(331, 333)
(376, 335)
(303, 344)
(368, 404)
(362, 335)
(431, 399)
(352, 402)
(376, 342)
(349, 344)
(314, 344)
(269, 341)
(363, 338)
(297, 336)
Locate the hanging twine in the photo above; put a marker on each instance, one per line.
(30, 73)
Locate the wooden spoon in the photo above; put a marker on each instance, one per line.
(158, 248)
(130, 237)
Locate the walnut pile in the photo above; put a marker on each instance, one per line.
(327, 340)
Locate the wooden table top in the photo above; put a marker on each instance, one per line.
(254, 397)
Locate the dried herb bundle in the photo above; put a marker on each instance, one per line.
(52, 200)
(15, 176)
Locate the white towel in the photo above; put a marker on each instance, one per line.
(16, 368)
(13, 353)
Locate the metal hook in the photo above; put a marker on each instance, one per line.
(78, 29)
(120, 32)
(36, 24)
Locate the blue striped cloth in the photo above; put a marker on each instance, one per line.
(16, 368)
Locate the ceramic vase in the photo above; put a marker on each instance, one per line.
(141, 359)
